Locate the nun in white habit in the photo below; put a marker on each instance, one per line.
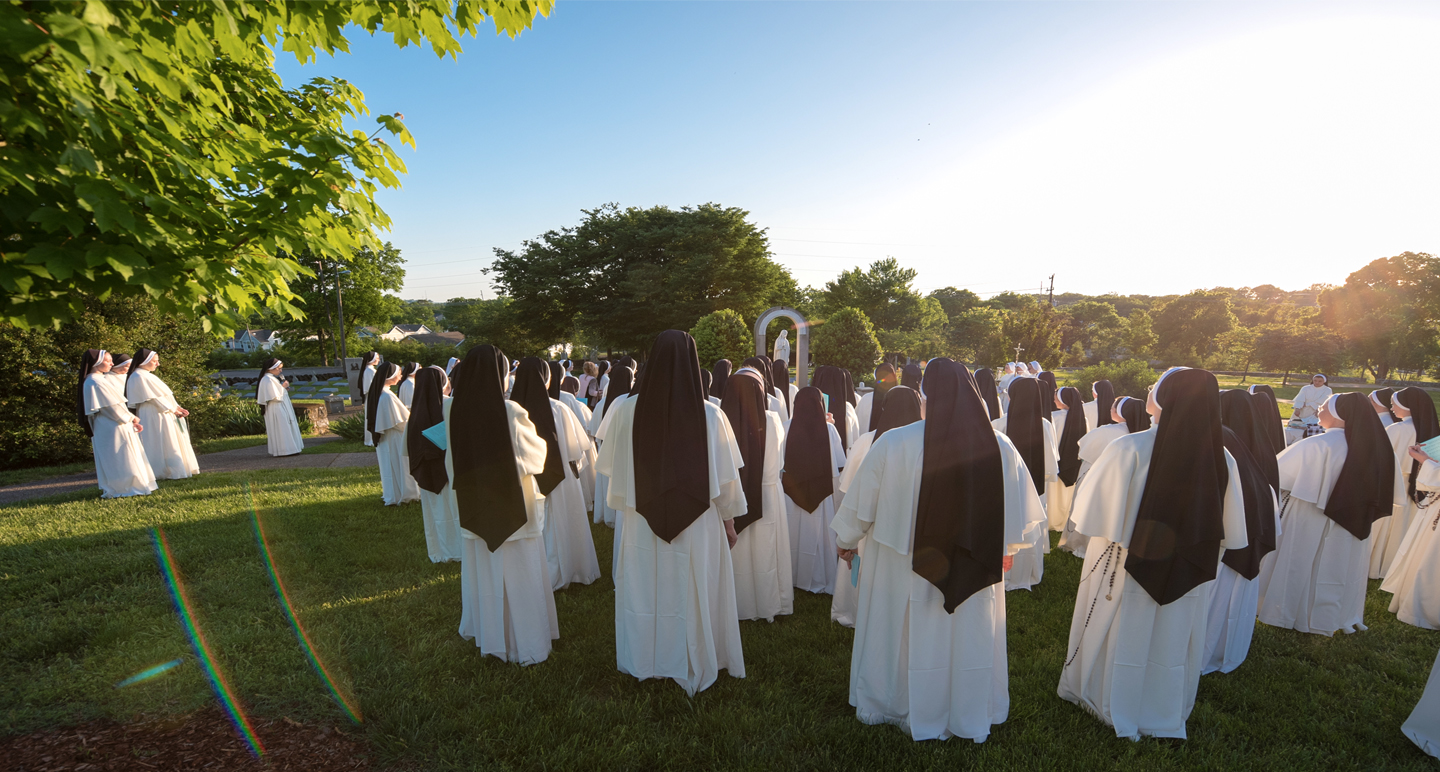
(282, 430)
(569, 547)
(1127, 417)
(833, 382)
(1159, 507)
(764, 581)
(1235, 595)
(1034, 439)
(367, 377)
(427, 467)
(585, 466)
(1415, 426)
(1335, 486)
(945, 502)
(1069, 424)
(1414, 576)
(900, 408)
(1423, 725)
(813, 462)
(619, 387)
(166, 438)
(674, 469)
(120, 464)
(493, 454)
(385, 421)
(407, 384)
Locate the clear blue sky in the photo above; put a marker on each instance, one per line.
(1123, 146)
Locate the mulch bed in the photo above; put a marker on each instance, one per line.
(204, 740)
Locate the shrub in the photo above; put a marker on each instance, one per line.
(847, 340)
(1130, 378)
(244, 419)
(722, 335)
(351, 427)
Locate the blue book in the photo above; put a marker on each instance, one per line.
(1431, 448)
(436, 435)
(855, 570)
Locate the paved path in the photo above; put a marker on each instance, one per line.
(242, 460)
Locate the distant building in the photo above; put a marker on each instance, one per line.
(453, 339)
(251, 340)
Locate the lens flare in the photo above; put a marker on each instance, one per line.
(202, 648)
(149, 673)
(352, 711)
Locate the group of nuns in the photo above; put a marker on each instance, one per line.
(137, 430)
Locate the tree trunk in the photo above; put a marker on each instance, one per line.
(1246, 376)
(1286, 380)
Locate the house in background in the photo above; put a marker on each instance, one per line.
(396, 333)
(251, 340)
(452, 339)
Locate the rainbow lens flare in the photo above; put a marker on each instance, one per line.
(352, 711)
(202, 648)
(149, 673)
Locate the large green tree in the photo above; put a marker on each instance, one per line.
(363, 276)
(149, 148)
(1188, 327)
(847, 339)
(722, 335)
(496, 322)
(622, 276)
(1387, 313)
(884, 293)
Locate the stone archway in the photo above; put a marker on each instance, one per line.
(801, 365)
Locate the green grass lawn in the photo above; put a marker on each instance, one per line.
(31, 474)
(83, 606)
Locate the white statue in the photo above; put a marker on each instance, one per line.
(782, 346)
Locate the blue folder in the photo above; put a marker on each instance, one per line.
(436, 435)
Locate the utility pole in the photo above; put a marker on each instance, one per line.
(1052, 290)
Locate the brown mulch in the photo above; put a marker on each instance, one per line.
(204, 740)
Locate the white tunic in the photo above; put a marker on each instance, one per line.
(407, 391)
(1058, 496)
(1387, 532)
(1316, 584)
(1423, 725)
(396, 485)
(675, 614)
(120, 464)
(812, 542)
(506, 604)
(367, 376)
(282, 431)
(844, 606)
(1309, 399)
(569, 546)
(863, 412)
(1003, 386)
(1131, 661)
(437, 510)
(935, 675)
(1234, 604)
(764, 578)
(1415, 576)
(1029, 566)
(586, 462)
(1092, 446)
(166, 438)
(598, 424)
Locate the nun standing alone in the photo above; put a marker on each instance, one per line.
(120, 465)
(282, 431)
(166, 438)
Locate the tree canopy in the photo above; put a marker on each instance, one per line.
(622, 276)
(149, 148)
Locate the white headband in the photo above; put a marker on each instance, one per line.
(1156, 388)
(1330, 405)
(272, 367)
(98, 359)
(1377, 401)
(451, 366)
(148, 359)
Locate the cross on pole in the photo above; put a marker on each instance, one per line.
(1018, 349)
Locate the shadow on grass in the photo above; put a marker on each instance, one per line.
(83, 606)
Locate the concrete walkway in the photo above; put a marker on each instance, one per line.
(242, 460)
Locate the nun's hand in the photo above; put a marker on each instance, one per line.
(136, 423)
(1007, 562)
(286, 384)
(182, 412)
(829, 418)
(1419, 455)
(730, 533)
(846, 555)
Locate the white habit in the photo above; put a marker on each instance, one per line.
(1059, 497)
(845, 604)
(437, 510)
(1029, 566)
(166, 438)
(282, 431)
(569, 546)
(367, 376)
(506, 604)
(1130, 661)
(764, 580)
(1423, 725)
(120, 464)
(1415, 576)
(812, 542)
(1234, 605)
(407, 391)
(1092, 446)
(675, 614)
(1387, 532)
(1316, 583)
(396, 484)
(933, 674)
